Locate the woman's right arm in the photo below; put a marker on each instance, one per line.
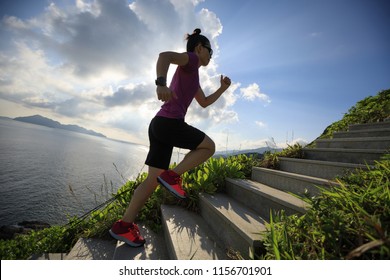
(163, 62)
(167, 58)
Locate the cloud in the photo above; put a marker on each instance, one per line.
(104, 38)
(131, 95)
(94, 61)
(157, 16)
(260, 124)
(26, 73)
(252, 92)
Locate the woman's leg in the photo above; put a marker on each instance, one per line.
(202, 153)
(142, 194)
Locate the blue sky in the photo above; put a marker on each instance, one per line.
(296, 66)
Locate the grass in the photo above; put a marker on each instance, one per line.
(271, 160)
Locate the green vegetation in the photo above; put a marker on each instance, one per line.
(271, 160)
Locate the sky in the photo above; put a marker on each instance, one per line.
(296, 66)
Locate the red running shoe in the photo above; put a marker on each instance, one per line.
(172, 182)
(128, 234)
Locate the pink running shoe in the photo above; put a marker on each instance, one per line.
(172, 182)
(128, 234)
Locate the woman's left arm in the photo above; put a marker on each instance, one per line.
(207, 101)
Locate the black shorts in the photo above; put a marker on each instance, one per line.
(166, 133)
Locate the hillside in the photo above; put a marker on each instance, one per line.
(39, 120)
(370, 109)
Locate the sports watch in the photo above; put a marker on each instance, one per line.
(161, 81)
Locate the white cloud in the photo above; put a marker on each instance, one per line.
(15, 23)
(260, 124)
(253, 92)
(301, 141)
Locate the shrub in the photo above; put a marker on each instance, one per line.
(271, 160)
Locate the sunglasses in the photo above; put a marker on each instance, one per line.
(209, 49)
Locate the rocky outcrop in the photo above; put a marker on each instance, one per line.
(25, 227)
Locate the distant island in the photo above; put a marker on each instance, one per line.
(250, 152)
(39, 120)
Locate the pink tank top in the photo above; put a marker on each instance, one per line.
(185, 83)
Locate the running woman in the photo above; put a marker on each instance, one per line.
(168, 129)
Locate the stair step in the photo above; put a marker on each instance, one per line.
(370, 126)
(290, 182)
(264, 199)
(188, 236)
(355, 143)
(362, 156)
(154, 249)
(236, 225)
(317, 168)
(92, 249)
(383, 132)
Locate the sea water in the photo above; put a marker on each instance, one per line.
(49, 174)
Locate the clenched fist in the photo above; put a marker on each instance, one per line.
(164, 93)
(225, 82)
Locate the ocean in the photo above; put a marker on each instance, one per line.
(49, 174)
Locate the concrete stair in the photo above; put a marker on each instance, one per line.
(236, 226)
(360, 156)
(380, 143)
(188, 236)
(317, 168)
(231, 223)
(361, 144)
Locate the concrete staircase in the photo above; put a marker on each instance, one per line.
(231, 223)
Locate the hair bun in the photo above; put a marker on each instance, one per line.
(194, 34)
(197, 31)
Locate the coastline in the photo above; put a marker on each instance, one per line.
(8, 232)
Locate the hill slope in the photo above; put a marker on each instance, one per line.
(39, 120)
(371, 109)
